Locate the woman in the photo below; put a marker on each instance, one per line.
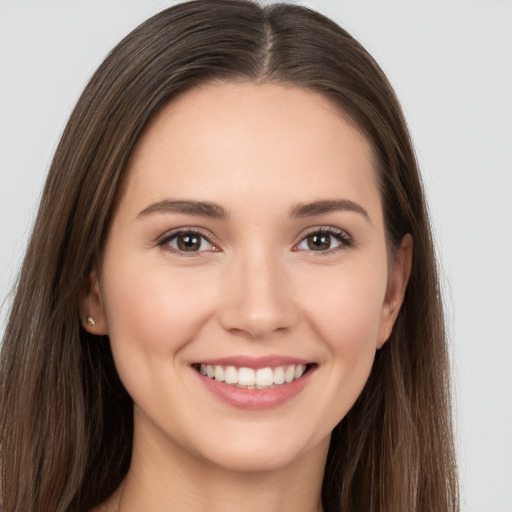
(230, 298)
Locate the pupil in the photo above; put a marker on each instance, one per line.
(318, 242)
(189, 242)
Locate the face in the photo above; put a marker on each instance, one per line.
(245, 284)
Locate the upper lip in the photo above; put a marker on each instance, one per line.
(244, 361)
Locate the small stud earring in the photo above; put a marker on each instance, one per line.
(90, 321)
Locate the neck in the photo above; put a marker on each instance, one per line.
(172, 479)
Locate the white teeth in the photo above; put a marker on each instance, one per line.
(279, 375)
(246, 377)
(231, 375)
(299, 370)
(262, 378)
(219, 373)
(289, 374)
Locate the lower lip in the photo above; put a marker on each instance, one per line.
(255, 399)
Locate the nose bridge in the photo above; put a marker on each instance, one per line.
(258, 296)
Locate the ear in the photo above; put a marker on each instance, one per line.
(91, 310)
(397, 283)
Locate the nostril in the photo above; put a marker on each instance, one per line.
(256, 326)
(258, 303)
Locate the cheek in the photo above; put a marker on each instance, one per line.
(153, 312)
(345, 317)
(346, 310)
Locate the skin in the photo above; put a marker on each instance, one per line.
(256, 288)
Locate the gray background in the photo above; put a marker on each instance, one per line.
(451, 65)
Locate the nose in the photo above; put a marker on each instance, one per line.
(258, 297)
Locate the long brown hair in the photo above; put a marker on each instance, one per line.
(65, 418)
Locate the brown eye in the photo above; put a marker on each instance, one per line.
(325, 240)
(188, 241)
(319, 242)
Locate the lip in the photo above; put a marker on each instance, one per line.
(255, 399)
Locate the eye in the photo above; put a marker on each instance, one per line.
(325, 240)
(187, 241)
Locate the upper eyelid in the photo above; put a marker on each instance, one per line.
(329, 229)
(345, 238)
(212, 239)
(163, 242)
(186, 229)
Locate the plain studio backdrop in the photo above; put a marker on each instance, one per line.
(451, 65)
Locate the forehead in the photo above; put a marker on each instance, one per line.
(220, 141)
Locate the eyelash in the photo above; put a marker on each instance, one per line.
(170, 236)
(344, 239)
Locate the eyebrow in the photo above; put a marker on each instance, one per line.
(328, 206)
(215, 211)
(200, 208)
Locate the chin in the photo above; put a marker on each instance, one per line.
(251, 461)
(249, 453)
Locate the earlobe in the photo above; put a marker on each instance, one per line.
(91, 310)
(397, 284)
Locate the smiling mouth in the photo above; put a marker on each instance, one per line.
(250, 378)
